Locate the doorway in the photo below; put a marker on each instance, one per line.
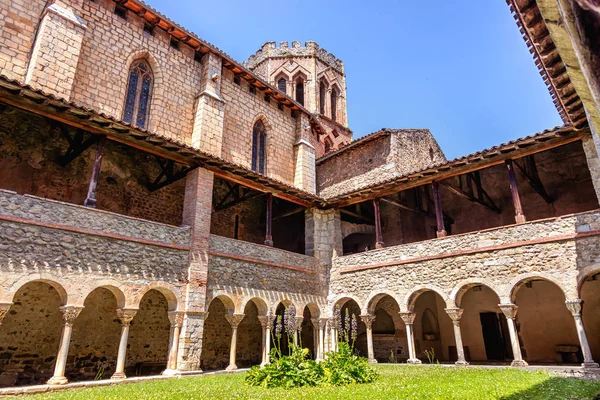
(495, 336)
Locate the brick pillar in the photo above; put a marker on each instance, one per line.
(304, 155)
(207, 134)
(56, 51)
(196, 214)
(323, 238)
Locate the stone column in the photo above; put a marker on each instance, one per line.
(4, 308)
(368, 320)
(317, 340)
(575, 307)
(409, 319)
(234, 320)
(176, 320)
(125, 316)
(266, 322)
(322, 326)
(298, 330)
(510, 312)
(334, 335)
(69, 313)
(455, 315)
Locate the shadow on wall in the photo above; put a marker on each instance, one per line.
(559, 388)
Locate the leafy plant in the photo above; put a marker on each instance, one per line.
(393, 357)
(431, 356)
(344, 367)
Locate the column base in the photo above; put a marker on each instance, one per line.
(520, 219)
(379, 245)
(415, 361)
(441, 233)
(519, 363)
(590, 365)
(170, 372)
(58, 380)
(117, 376)
(462, 363)
(264, 363)
(231, 367)
(372, 361)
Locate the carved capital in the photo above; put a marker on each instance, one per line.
(509, 310)
(368, 320)
(234, 319)
(299, 321)
(126, 315)
(408, 317)
(4, 308)
(176, 318)
(265, 321)
(574, 306)
(322, 323)
(69, 314)
(455, 314)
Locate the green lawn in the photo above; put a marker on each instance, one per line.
(396, 382)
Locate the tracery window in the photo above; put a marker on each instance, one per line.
(334, 96)
(300, 91)
(139, 93)
(282, 85)
(322, 92)
(259, 136)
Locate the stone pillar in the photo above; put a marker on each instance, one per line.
(575, 307)
(323, 238)
(409, 319)
(304, 155)
(455, 315)
(197, 210)
(368, 320)
(56, 50)
(510, 312)
(234, 320)
(125, 316)
(266, 321)
(176, 320)
(298, 330)
(69, 314)
(4, 308)
(207, 133)
(322, 326)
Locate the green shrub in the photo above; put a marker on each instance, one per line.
(290, 371)
(345, 368)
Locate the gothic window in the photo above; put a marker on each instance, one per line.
(334, 96)
(300, 91)
(328, 145)
(322, 93)
(282, 85)
(259, 136)
(139, 92)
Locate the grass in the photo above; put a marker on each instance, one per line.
(395, 382)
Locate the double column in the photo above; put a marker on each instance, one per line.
(176, 320)
(234, 320)
(574, 307)
(69, 314)
(125, 316)
(409, 319)
(368, 320)
(455, 315)
(266, 322)
(510, 312)
(333, 334)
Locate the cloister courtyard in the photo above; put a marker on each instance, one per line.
(395, 382)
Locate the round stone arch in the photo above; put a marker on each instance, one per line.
(515, 284)
(586, 273)
(261, 305)
(116, 288)
(286, 303)
(315, 310)
(374, 297)
(165, 289)
(52, 280)
(229, 302)
(342, 299)
(463, 287)
(409, 301)
(349, 228)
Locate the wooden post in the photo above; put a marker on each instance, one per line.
(378, 236)
(439, 215)
(269, 234)
(514, 191)
(90, 200)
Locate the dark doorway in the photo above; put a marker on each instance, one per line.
(494, 330)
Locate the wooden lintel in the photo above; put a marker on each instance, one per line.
(292, 212)
(240, 200)
(529, 171)
(358, 216)
(470, 196)
(77, 145)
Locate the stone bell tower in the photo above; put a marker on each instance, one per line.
(309, 74)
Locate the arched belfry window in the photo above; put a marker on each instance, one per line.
(139, 92)
(259, 136)
(322, 93)
(300, 91)
(334, 96)
(282, 85)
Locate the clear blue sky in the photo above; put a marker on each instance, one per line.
(459, 68)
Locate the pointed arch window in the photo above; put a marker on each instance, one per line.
(328, 145)
(300, 91)
(322, 93)
(139, 93)
(259, 136)
(282, 85)
(334, 96)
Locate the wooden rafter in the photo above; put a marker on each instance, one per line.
(78, 143)
(448, 220)
(169, 173)
(529, 171)
(289, 213)
(473, 191)
(235, 195)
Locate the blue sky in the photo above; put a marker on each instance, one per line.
(459, 68)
